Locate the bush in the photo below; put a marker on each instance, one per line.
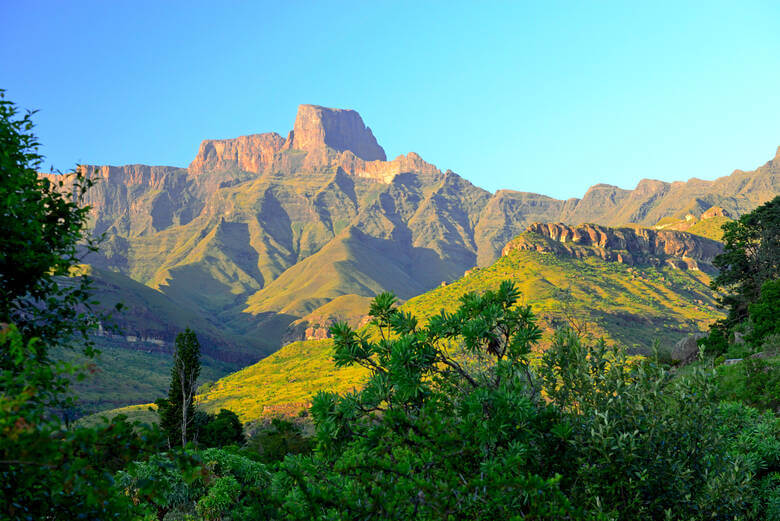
(209, 484)
(219, 430)
(275, 440)
(765, 313)
(643, 445)
(454, 424)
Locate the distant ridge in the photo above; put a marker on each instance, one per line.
(632, 246)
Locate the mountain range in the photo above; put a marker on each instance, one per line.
(264, 238)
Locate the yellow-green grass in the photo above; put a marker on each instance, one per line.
(630, 305)
(624, 304)
(711, 228)
(144, 413)
(284, 382)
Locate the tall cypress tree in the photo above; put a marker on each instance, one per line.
(177, 412)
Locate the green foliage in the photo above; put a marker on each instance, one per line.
(765, 313)
(48, 470)
(44, 228)
(207, 484)
(642, 444)
(273, 441)
(454, 422)
(432, 436)
(218, 430)
(753, 438)
(219, 499)
(752, 381)
(751, 257)
(717, 342)
(177, 412)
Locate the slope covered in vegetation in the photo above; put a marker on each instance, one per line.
(630, 305)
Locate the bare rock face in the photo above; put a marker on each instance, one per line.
(625, 245)
(687, 349)
(330, 138)
(319, 127)
(250, 153)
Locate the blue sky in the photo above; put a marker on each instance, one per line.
(546, 97)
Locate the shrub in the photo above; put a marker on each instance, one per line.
(219, 430)
(642, 445)
(272, 442)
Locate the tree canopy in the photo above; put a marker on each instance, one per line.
(750, 258)
(44, 231)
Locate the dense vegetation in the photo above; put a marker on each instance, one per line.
(589, 434)
(749, 279)
(47, 470)
(627, 305)
(454, 421)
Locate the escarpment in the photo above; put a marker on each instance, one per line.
(627, 245)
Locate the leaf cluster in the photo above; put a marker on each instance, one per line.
(44, 233)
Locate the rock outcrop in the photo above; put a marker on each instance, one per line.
(250, 153)
(317, 128)
(687, 349)
(631, 246)
(329, 139)
(715, 211)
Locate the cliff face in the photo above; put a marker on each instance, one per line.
(328, 139)
(250, 153)
(319, 127)
(633, 246)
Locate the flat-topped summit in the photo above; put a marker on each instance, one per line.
(319, 127)
(330, 138)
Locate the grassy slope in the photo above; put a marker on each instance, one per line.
(282, 383)
(710, 228)
(621, 303)
(121, 376)
(139, 371)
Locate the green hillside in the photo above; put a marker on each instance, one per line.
(136, 344)
(120, 376)
(632, 305)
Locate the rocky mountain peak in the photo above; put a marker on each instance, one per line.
(319, 127)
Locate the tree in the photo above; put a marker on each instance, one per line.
(450, 424)
(177, 412)
(48, 471)
(218, 430)
(453, 424)
(765, 313)
(750, 258)
(44, 231)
